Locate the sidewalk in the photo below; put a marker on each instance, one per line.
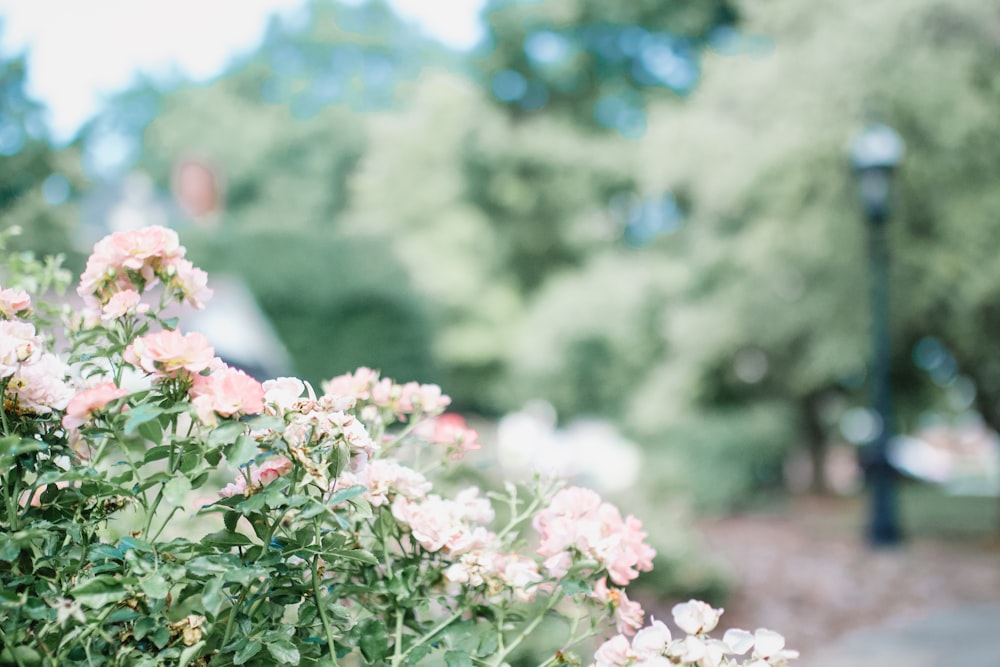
(966, 636)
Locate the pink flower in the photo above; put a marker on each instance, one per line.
(385, 479)
(121, 303)
(18, 343)
(226, 392)
(14, 302)
(451, 431)
(356, 385)
(132, 259)
(82, 406)
(425, 398)
(628, 614)
(521, 575)
(440, 525)
(191, 283)
(578, 521)
(271, 470)
(169, 353)
(260, 477)
(136, 260)
(40, 386)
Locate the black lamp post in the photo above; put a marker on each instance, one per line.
(875, 153)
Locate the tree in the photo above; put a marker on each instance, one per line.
(596, 60)
(36, 181)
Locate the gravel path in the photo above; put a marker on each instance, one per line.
(805, 573)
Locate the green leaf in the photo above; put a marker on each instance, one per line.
(487, 644)
(128, 543)
(284, 652)
(346, 494)
(99, 591)
(457, 659)
(151, 430)
(374, 640)
(143, 626)
(161, 636)
(224, 434)
(139, 415)
(572, 586)
(230, 519)
(251, 649)
(359, 555)
(155, 587)
(227, 538)
(177, 491)
(241, 451)
(20, 655)
(212, 596)
(157, 453)
(189, 654)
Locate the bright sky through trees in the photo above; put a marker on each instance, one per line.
(80, 52)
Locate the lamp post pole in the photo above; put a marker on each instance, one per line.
(875, 155)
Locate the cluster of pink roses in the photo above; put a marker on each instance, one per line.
(654, 645)
(215, 387)
(35, 380)
(578, 524)
(126, 264)
(366, 386)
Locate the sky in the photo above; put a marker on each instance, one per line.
(80, 51)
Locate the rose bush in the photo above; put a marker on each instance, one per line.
(335, 540)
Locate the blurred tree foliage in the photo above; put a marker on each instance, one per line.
(34, 178)
(595, 60)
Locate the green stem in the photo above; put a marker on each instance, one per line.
(153, 538)
(89, 630)
(427, 637)
(397, 649)
(528, 629)
(321, 608)
(3, 407)
(231, 620)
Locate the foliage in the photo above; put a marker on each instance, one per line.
(595, 60)
(350, 293)
(328, 544)
(33, 176)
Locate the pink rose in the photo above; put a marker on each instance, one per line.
(121, 303)
(226, 392)
(450, 431)
(169, 353)
(191, 283)
(82, 406)
(14, 301)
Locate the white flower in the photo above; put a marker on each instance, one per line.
(696, 617)
(769, 649)
(738, 641)
(651, 641)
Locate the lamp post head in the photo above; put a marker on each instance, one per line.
(875, 154)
